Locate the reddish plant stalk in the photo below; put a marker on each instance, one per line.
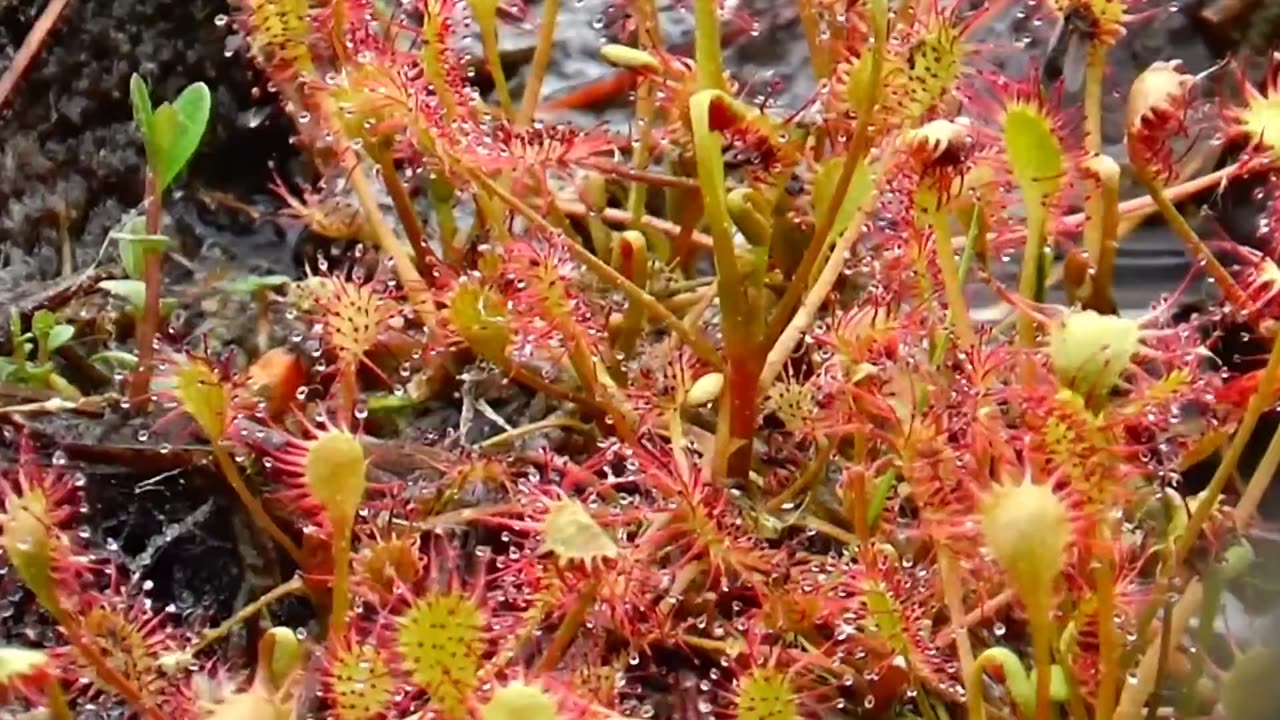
(409, 219)
(148, 323)
(742, 379)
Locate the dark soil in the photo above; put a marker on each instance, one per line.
(71, 165)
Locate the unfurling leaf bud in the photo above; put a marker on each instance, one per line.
(743, 211)
(630, 256)
(1090, 352)
(1156, 105)
(284, 657)
(336, 477)
(1027, 529)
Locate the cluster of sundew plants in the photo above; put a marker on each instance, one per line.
(782, 471)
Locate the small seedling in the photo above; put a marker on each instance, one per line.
(45, 337)
(171, 133)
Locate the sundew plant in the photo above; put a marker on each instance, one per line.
(776, 466)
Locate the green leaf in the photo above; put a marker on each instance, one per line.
(43, 322)
(132, 291)
(135, 243)
(61, 335)
(115, 359)
(141, 101)
(174, 132)
(135, 293)
(880, 498)
(704, 107)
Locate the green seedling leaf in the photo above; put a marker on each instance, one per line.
(132, 291)
(1020, 682)
(135, 243)
(115, 359)
(140, 98)
(135, 293)
(880, 497)
(42, 323)
(60, 335)
(173, 132)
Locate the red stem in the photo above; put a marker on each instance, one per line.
(742, 379)
(149, 323)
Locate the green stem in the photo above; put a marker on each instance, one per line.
(446, 222)
(1162, 660)
(341, 604)
(541, 60)
(1029, 280)
(1261, 479)
(646, 16)
(485, 14)
(976, 227)
(1095, 72)
(1108, 636)
(1195, 246)
(707, 55)
(405, 211)
(741, 326)
(1042, 647)
(781, 319)
(569, 627)
(1102, 232)
(794, 328)
(232, 474)
(213, 635)
(1146, 674)
(415, 288)
(1208, 500)
(957, 307)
